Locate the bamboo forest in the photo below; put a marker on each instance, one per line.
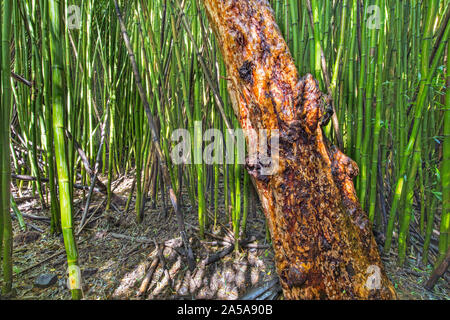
(225, 150)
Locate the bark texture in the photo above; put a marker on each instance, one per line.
(324, 247)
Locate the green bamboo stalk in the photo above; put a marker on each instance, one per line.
(237, 201)
(3, 51)
(409, 194)
(302, 52)
(245, 202)
(317, 45)
(216, 173)
(5, 172)
(18, 214)
(198, 133)
(444, 239)
(337, 63)
(294, 26)
(361, 92)
(58, 103)
(113, 55)
(34, 127)
(401, 123)
(365, 152)
(378, 112)
(55, 223)
(429, 230)
(352, 85)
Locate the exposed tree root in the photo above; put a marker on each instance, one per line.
(439, 271)
(148, 277)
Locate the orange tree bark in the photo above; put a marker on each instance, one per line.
(323, 242)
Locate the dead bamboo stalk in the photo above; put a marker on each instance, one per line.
(438, 272)
(148, 277)
(95, 173)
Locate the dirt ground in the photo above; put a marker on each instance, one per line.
(116, 254)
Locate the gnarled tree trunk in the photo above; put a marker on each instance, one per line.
(324, 247)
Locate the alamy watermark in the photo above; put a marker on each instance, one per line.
(212, 147)
(373, 17)
(374, 280)
(74, 279)
(73, 17)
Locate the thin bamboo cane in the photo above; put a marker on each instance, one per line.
(55, 224)
(378, 111)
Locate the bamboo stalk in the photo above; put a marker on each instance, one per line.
(5, 164)
(444, 239)
(58, 103)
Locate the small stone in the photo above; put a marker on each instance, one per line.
(45, 280)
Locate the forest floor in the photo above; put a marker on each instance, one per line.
(116, 254)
